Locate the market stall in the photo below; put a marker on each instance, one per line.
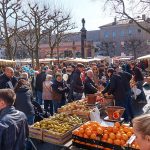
(80, 124)
(4, 62)
(146, 59)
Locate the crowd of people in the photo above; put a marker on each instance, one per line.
(54, 86)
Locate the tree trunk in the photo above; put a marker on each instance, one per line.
(37, 57)
(51, 54)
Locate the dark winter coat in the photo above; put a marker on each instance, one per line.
(4, 81)
(116, 87)
(77, 84)
(138, 76)
(60, 88)
(13, 129)
(126, 77)
(24, 100)
(89, 86)
(39, 81)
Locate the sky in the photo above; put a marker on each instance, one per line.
(91, 10)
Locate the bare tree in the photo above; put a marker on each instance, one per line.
(132, 9)
(35, 16)
(57, 25)
(9, 25)
(26, 37)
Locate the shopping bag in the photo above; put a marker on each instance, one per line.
(136, 91)
(95, 115)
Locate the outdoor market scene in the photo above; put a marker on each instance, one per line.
(71, 82)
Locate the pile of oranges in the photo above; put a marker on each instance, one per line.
(117, 135)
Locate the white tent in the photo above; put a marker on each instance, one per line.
(144, 57)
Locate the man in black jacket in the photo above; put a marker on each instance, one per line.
(7, 79)
(89, 85)
(13, 123)
(40, 78)
(126, 77)
(77, 84)
(115, 87)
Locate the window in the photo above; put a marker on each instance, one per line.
(114, 34)
(106, 34)
(130, 31)
(122, 33)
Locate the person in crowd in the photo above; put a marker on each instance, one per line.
(141, 127)
(47, 95)
(70, 72)
(115, 87)
(7, 79)
(24, 99)
(139, 79)
(59, 89)
(33, 83)
(89, 85)
(13, 123)
(40, 78)
(96, 75)
(24, 76)
(126, 77)
(76, 83)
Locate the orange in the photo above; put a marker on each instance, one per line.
(115, 129)
(75, 132)
(99, 130)
(85, 126)
(93, 136)
(104, 140)
(124, 137)
(110, 129)
(117, 124)
(118, 135)
(80, 135)
(88, 132)
(81, 130)
(106, 131)
(129, 134)
(105, 136)
(126, 129)
(117, 142)
(94, 127)
(110, 141)
(85, 136)
(122, 142)
(112, 136)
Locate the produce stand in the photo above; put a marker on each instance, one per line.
(46, 136)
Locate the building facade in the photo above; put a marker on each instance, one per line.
(124, 37)
(71, 46)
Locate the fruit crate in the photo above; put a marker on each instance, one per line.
(55, 138)
(95, 144)
(35, 133)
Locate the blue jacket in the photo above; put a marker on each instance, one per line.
(13, 129)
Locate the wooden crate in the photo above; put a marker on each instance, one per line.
(35, 133)
(56, 139)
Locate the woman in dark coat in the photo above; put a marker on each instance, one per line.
(60, 89)
(24, 99)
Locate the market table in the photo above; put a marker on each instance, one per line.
(40, 145)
